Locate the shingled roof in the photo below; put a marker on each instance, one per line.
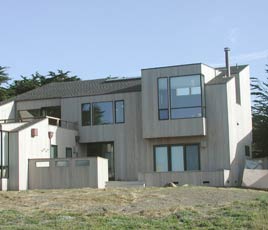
(82, 88)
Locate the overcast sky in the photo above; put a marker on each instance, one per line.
(97, 38)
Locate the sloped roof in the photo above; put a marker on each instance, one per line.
(82, 88)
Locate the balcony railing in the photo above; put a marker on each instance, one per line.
(51, 121)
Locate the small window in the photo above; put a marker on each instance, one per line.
(69, 152)
(62, 163)
(42, 164)
(86, 114)
(119, 112)
(82, 163)
(54, 151)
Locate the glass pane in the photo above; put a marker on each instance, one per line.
(119, 112)
(102, 113)
(186, 113)
(86, 114)
(54, 151)
(42, 164)
(185, 91)
(161, 159)
(53, 111)
(177, 159)
(163, 114)
(82, 163)
(182, 91)
(192, 157)
(163, 93)
(62, 163)
(69, 152)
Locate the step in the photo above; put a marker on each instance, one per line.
(125, 184)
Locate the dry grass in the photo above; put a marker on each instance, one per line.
(181, 208)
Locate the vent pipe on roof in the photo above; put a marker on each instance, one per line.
(228, 70)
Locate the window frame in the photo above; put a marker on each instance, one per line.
(115, 102)
(184, 156)
(203, 107)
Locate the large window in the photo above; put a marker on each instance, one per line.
(86, 114)
(176, 158)
(181, 98)
(102, 113)
(119, 112)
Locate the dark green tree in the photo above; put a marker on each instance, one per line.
(25, 84)
(37, 80)
(4, 78)
(260, 116)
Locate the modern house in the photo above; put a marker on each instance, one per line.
(188, 124)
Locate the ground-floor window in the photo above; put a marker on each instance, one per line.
(176, 157)
(54, 151)
(69, 152)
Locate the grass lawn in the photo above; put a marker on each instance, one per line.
(150, 208)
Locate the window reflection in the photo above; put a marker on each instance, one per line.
(102, 113)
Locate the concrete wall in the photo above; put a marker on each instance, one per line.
(200, 178)
(255, 178)
(217, 141)
(63, 138)
(239, 122)
(59, 174)
(7, 111)
(23, 147)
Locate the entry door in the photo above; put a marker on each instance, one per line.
(105, 150)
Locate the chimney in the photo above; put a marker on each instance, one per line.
(228, 70)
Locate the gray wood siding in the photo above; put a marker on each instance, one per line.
(151, 126)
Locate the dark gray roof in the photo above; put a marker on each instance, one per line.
(221, 78)
(82, 88)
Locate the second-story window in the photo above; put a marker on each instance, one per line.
(86, 114)
(119, 112)
(163, 113)
(180, 98)
(102, 113)
(185, 97)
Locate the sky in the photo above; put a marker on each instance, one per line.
(101, 38)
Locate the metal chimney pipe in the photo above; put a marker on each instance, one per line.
(228, 69)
